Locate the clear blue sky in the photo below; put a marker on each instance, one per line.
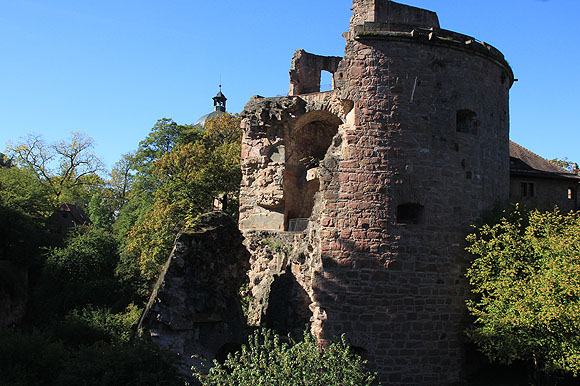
(111, 68)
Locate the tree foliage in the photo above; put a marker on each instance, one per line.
(64, 167)
(88, 254)
(196, 172)
(79, 273)
(121, 181)
(21, 190)
(24, 208)
(268, 360)
(566, 164)
(198, 166)
(526, 282)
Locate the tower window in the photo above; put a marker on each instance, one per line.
(410, 213)
(466, 121)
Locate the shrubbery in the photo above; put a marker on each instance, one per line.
(269, 360)
(526, 282)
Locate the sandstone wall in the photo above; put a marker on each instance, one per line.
(195, 306)
(419, 124)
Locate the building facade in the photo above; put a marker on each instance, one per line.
(538, 183)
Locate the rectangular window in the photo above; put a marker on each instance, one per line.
(527, 189)
(570, 193)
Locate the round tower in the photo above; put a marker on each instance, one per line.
(409, 148)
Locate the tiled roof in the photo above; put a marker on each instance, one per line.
(525, 162)
(77, 214)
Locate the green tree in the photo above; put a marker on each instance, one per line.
(164, 136)
(79, 273)
(30, 358)
(121, 181)
(88, 254)
(22, 191)
(526, 282)
(199, 171)
(101, 211)
(150, 240)
(67, 168)
(24, 208)
(126, 364)
(268, 360)
(567, 164)
(5, 162)
(198, 167)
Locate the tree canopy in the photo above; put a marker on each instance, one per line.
(526, 284)
(191, 167)
(88, 285)
(67, 168)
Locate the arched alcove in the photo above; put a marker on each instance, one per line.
(288, 309)
(306, 147)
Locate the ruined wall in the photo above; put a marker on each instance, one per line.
(305, 71)
(419, 118)
(195, 306)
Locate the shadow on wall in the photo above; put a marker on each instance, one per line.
(288, 306)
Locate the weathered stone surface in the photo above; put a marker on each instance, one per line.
(195, 305)
(387, 169)
(305, 71)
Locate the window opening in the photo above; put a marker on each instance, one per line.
(466, 121)
(570, 193)
(527, 189)
(410, 213)
(326, 81)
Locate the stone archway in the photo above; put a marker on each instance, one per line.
(306, 146)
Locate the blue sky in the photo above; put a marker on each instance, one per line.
(112, 68)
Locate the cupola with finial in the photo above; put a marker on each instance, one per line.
(219, 108)
(219, 101)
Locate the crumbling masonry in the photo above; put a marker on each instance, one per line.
(355, 202)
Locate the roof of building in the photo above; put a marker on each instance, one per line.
(213, 114)
(527, 163)
(78, 216)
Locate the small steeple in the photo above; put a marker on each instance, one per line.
(219, 108)
(219, 101)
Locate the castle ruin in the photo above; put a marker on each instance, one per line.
(355, 202)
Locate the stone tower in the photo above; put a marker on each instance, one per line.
(355, 202)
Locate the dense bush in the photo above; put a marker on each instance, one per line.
(89, 254)
(29, 358)
(268, 360)
(526, 282)
(119, 364)
(37, 358)
(96, 324)
(80, 273)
